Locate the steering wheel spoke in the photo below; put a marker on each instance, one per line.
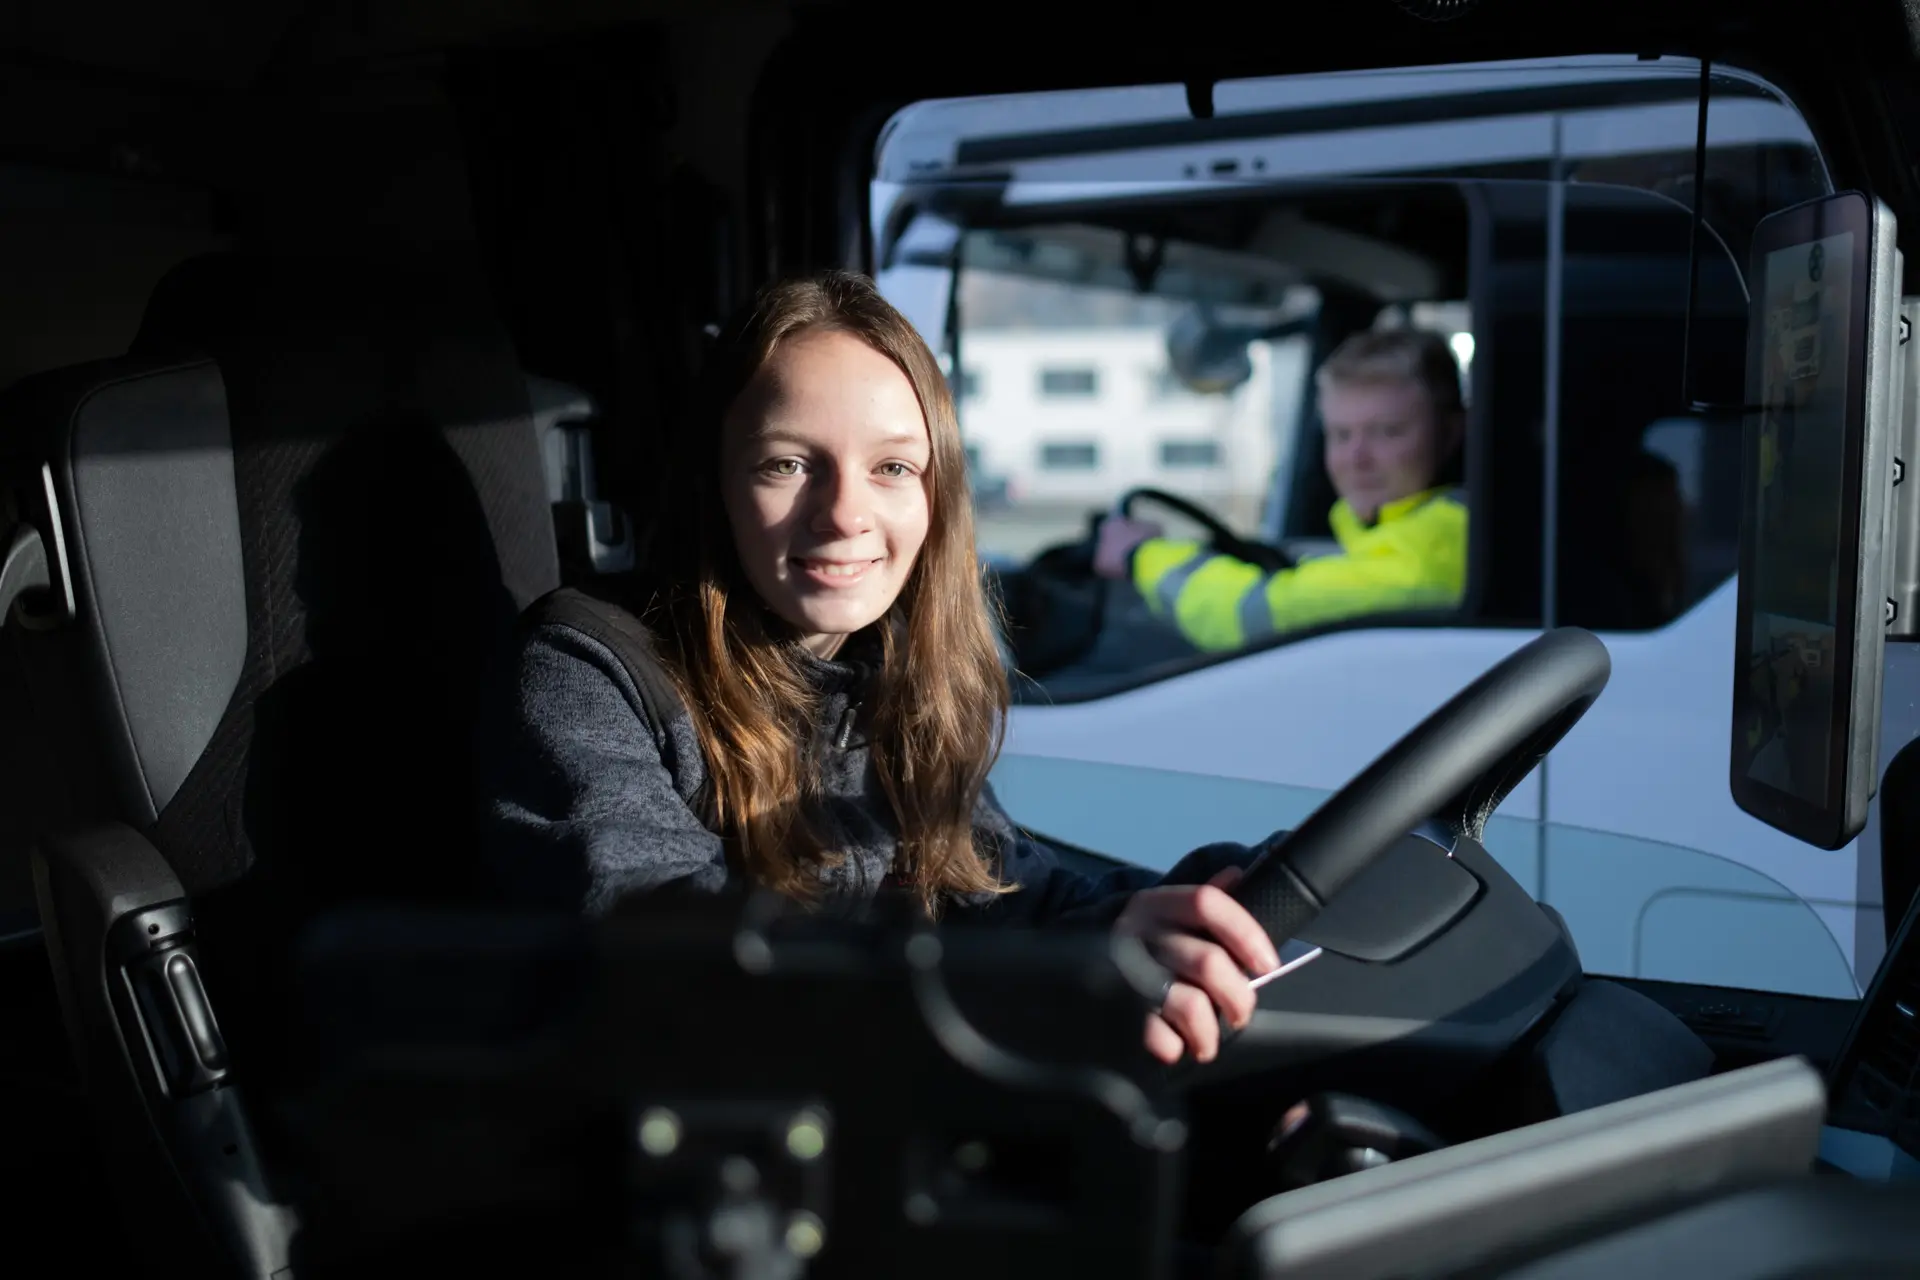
(1442, 780)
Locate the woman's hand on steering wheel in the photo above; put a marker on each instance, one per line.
(1213, 948)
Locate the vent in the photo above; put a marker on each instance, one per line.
(1436, 10)
(1884, 1077)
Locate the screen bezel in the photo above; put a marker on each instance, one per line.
(1824, 824)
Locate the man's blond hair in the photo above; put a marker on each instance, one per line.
(1398, 356)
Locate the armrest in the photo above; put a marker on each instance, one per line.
(87, 881)
(172, 1124)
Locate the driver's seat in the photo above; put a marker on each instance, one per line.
(259, 566)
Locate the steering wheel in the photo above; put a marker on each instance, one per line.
(1269, 559)
(1454, 768)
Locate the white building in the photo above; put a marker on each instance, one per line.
(1069, 419)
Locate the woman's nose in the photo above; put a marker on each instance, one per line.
(843, 509)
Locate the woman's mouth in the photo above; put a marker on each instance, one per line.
(834, 573)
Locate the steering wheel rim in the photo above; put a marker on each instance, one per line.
(1454, 767)
(1270, 559)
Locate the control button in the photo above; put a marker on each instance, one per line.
(196, 1013)
(1906, 331)
(1899, 471)
(1893, 611)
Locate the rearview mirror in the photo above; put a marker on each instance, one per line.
(1208, 358)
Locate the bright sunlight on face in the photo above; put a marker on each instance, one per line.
(824, 466)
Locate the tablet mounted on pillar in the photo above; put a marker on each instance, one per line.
(1822, 398)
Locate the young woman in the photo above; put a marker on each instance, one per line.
(808, 694)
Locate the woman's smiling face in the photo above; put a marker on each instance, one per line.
(823, 471)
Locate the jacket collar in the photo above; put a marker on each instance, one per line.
(1345, 523)
(848, 671)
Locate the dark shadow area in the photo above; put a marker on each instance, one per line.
(1900, 836)
(1622, 539)
(48, 1128)
(310, 710)
(30, 788)
(359, 778)
(393, 520)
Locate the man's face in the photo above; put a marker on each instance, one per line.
(1382, 442)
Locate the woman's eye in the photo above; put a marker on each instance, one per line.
(895, 470)
(784, 467)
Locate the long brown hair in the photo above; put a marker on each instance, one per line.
(940, 697)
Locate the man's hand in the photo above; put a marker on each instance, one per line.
(1214, 948)
(1119, 535)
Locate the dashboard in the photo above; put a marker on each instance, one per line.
(1856, 1215)
(1774, 1171)
(1874, 1118)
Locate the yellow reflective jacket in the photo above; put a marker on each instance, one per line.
(1413, 557)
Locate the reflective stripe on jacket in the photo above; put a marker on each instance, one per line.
(1413, 557)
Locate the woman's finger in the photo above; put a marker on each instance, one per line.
(1210, 910)
(1163, 1042)
(1206, 965)
(1189, 1012)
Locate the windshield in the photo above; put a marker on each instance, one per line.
(1127, 298)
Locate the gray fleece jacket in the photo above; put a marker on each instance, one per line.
(583, 804)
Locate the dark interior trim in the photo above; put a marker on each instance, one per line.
(1481, 104)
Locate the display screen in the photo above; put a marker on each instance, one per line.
(1789, 713)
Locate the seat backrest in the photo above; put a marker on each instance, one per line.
(293, 522)
(1623, 542)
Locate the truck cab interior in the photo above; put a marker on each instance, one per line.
(338, 334)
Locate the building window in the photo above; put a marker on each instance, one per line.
(1069, 382)
(1077, 456)
(967, 385)
(1189, 453)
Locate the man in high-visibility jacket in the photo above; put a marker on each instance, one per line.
(1392, 409)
